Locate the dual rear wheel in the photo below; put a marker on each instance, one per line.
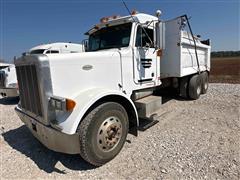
(205, 82)
(192, 87)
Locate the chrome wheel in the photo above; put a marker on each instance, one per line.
(109, 133)
(199, 90)
(206, 85)
(195, 87)
(204, 78)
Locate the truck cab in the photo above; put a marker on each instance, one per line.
(133, 40)
(8, 80)
(88, 102)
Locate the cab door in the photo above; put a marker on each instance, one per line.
(145, 56)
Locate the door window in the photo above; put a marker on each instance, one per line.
(144, 37)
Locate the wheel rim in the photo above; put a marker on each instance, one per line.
(109, 133)
(199, 90)
(205, 85)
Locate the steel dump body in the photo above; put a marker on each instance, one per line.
(179, 58)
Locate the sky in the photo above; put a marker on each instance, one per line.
(27, 23)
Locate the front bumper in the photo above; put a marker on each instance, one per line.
(9, 92)
(51, 138)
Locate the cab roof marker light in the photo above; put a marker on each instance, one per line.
(96, 27)
(134, 12)
(116, 16)
(104, 20)
(109, 18)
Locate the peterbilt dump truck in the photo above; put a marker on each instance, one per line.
(8, 78)
(87, 103)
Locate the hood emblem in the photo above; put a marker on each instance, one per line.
(87, 67)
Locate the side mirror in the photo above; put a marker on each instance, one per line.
(85, 44)
(148, 45)
(160, 35)
(25, 54)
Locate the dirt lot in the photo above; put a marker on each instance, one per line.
(193, 140)
(225, 70)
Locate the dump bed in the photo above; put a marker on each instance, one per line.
(179, 57)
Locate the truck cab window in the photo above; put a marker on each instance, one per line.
(52, 52)
(142, 39)
(38, 51)
(110, 37)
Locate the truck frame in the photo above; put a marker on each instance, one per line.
(87, 103)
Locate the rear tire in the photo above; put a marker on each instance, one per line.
(102, 133)
(195, 87)
(184, 87)
(205, 82)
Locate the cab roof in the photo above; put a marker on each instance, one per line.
(139, 18)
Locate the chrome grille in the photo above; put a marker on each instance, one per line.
(29, 89)
(2, 79)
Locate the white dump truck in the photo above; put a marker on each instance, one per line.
(8, 78)
(87, 103)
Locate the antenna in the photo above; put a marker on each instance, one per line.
(135, 22)
(128, 10)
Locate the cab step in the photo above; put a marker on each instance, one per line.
(144, 124)
(146, 107)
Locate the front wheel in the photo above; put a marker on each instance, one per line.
(102, 133)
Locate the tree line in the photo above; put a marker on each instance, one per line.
(225, 53)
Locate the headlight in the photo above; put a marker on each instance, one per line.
(13, 85)
(62, 104)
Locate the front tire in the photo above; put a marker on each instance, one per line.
(102, 133)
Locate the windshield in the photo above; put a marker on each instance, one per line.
(110, 37)
(38, 51)
(3, 67)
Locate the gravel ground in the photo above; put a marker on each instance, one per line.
(193, 140)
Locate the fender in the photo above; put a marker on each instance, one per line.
(69, 121)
